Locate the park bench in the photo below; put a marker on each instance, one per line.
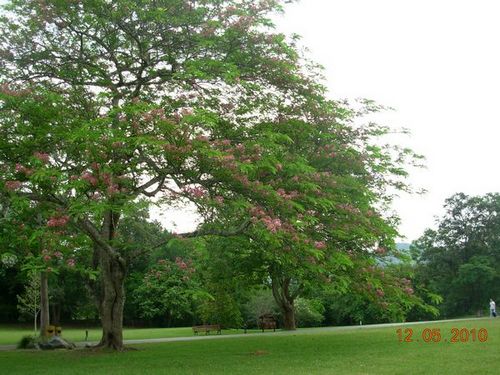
(267, 321)
(207, 328)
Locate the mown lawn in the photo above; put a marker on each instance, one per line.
(12, 334)
(353, 351)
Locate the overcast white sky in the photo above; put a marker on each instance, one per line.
(437, 63)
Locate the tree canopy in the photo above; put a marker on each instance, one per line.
(109, 105)
(460, 259)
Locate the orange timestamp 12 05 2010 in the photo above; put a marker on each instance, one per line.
(434, 335)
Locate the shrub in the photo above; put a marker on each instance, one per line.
(261, 303)
(309, 312)
(27, 342)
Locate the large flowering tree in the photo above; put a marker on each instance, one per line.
(105, 105)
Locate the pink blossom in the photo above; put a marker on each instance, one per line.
(112, 189)
(228, 157)
(244, 180)
(196, 191)
(71, 262)
(22, 169)
(47, 258)
(58, 254)
(202, 138)
(5, 89)
(180, 263)
(12, 185)
(117, 144)
(219, 199)
(43, 157)
(405, 281)
(186, 111)
(95, 196)
(380, 250)
(273, 225)
(91, 179)
(409, 290)
(380, 293)
(320, 245)
(60, 221)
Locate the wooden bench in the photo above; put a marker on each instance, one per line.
(207, 328)
(267, 321)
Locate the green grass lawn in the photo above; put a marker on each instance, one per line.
(349, 351)
(12, 334)
(352, 351)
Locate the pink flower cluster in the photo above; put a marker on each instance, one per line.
(12, 185)
(195, 191)
(43, 157)
(272, 225)
(5, 89)
(157, 113)
(283, 194)
(22, 169)
(408, 290)
(112, 189)
(90, 178)
(71, 262)
(180, 263)
(405, 281)
(327, 151)
(186, 111)
(176, 149)
(380, 293)
(320, 245)
(349, 208)
(219, 199)
(60, 221)
(380, 250)
(202, 138)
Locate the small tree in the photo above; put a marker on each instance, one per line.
(28, 303)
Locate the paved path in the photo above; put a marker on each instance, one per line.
(302, 331)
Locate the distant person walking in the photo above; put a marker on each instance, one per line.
(493, 309)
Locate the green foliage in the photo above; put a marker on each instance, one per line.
(108, 108)
(220, 308)
(309, 312)
(459, 260)
(28, 303)
(167, 290)
(261, 302)
(27, 342)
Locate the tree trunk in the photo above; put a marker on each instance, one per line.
(288, 316)
(282, 296)
(112, 301)
(44, 304)
(55, 317)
